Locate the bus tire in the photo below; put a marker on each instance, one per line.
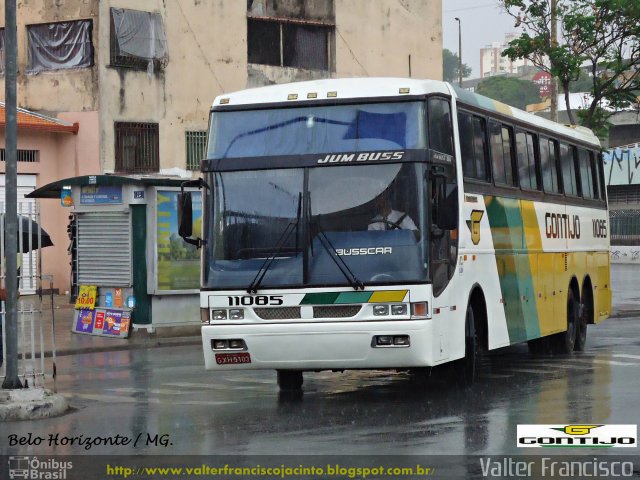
(585, 312)
(565, 341)
(290, 380)
(465, 368)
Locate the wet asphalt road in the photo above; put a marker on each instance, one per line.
(167, 391)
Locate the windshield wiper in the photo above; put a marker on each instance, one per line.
(355, 283)
(257, 280)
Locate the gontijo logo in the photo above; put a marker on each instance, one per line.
(577, 436)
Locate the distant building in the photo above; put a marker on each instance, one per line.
(493, 63)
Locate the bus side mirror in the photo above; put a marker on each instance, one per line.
(185, 215)
(445, 207)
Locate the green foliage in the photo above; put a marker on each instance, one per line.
(450, 63)
(604, 34)
(512, 91)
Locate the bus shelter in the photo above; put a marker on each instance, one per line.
(129, 266)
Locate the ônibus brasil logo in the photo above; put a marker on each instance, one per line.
(577, 436)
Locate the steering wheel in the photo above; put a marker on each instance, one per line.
(392, 225)
(382, 277)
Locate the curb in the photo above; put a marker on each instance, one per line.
(31, 404)
(151, 343)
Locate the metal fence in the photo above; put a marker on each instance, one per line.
(36, 312)
(625, 227)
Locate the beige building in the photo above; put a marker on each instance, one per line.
(139, 76)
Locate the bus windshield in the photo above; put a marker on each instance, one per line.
(366, 223)
(317, 129)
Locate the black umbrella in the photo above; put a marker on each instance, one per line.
(28, 233)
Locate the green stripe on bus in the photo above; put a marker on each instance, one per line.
(354, 297)
(514, 270)
(323, 298)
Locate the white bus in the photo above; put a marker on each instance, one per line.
(379, 223)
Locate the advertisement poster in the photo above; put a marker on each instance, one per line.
(101, 194)
(117, 297)
(84, 322)
(99, 320)
(87, 297)
(66, 200)
(178, 262)
(112, 323)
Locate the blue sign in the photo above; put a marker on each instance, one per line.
(108, 300)
(101, 194)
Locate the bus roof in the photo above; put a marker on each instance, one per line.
(370, 88)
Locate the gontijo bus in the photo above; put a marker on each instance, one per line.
(509, 241)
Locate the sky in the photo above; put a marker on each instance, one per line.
(483, 22)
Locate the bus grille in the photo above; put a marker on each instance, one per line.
(336, 311)
(279, 313)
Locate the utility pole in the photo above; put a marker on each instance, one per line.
(11, 380)
(554, 43)
(459, 52)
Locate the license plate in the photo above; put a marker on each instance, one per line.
(233, 358)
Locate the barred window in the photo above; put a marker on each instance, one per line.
(138, 40)
(137, 147)
(60, 46)
(196, 147)
(284, 43)
(28, 156)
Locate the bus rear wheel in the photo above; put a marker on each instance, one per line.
(290, 380)
(564, 342)
(585, 313)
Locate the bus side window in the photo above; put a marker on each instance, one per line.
(440, 131)
(594, 175)
(465, 132)
(501, 158)
(549, 165)
(526, 156)
(480, 148)
(603, 184)
(586, 178)
(569, 177)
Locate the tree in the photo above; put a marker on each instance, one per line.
(602, 34)
(510, 90)
(450, 63)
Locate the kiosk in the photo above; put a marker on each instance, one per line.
(125, 243)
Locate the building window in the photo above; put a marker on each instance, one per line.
(196, 148)
(1, 51)
(285, 43)
(138, 40)
(60, 46)
(137, 147)
(28, 156)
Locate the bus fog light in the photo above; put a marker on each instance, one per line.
(384, 340)
(419, 310)
(219, 344)
(236, 343)
(398, 309)
(219, 314)
(380, 310)
(401, 340)
(236, 314)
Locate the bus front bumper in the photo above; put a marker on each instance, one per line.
(320, 346)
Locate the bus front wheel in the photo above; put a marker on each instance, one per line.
(290, 380)
(465, 368)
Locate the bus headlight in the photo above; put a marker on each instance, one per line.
(236, 314)
(219, 314)
(398, 309)
(380, 310)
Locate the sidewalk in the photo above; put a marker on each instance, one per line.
(69, 343)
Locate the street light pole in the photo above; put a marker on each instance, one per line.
(11, 380)
(459, 52)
